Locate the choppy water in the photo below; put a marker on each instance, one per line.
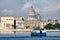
(26, 36)
(30, 38)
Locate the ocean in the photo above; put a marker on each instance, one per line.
(27, 36)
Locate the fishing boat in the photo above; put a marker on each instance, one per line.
(38, 33)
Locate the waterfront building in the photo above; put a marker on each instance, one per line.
(33, 21)
(19, 22)
(7, 22)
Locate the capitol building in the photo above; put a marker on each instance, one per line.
(34, 20)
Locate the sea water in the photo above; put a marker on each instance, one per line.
(27, 36)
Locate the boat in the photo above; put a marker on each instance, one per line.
(38, 33)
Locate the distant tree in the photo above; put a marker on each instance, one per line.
(36, 28)
(57, 25)
(49, 26)
(56, 20)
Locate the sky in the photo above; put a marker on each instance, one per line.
(48, 9)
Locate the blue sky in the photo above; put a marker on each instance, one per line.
(48, 9)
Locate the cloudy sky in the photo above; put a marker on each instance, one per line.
(48, 9)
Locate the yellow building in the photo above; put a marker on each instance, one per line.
(7, 22)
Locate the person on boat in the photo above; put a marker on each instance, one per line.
(40, 32)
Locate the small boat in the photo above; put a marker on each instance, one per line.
(38, 33)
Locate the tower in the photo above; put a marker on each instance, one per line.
(38, 17)
(31, 15)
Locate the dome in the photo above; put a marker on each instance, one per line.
(31, 15)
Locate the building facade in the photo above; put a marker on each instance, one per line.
(19, 22)
(32, 20)
(31, 15)
(7, 22)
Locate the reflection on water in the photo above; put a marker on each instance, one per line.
(53, 33)
(16, 34)
(26, 36)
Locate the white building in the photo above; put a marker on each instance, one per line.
(32, 15)
(7, 22)
(19, 22)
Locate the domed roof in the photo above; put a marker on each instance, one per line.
(32, 9)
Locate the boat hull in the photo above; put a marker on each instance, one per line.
(39, 34)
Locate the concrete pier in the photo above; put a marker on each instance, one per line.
(26, 30)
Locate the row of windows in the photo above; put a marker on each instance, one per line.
(9, 19)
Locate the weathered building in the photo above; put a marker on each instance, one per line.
(19, 22)
(7, 22)
(32, 20)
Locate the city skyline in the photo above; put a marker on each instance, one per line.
(48, 9)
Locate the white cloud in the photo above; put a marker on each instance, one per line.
(58, 5)
(47, 3)
(48, 9)
(27, 5)
(45, 9)
(6, 11)
(8, 3)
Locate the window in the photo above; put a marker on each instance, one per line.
(6, 19)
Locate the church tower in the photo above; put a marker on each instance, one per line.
(31, 15)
